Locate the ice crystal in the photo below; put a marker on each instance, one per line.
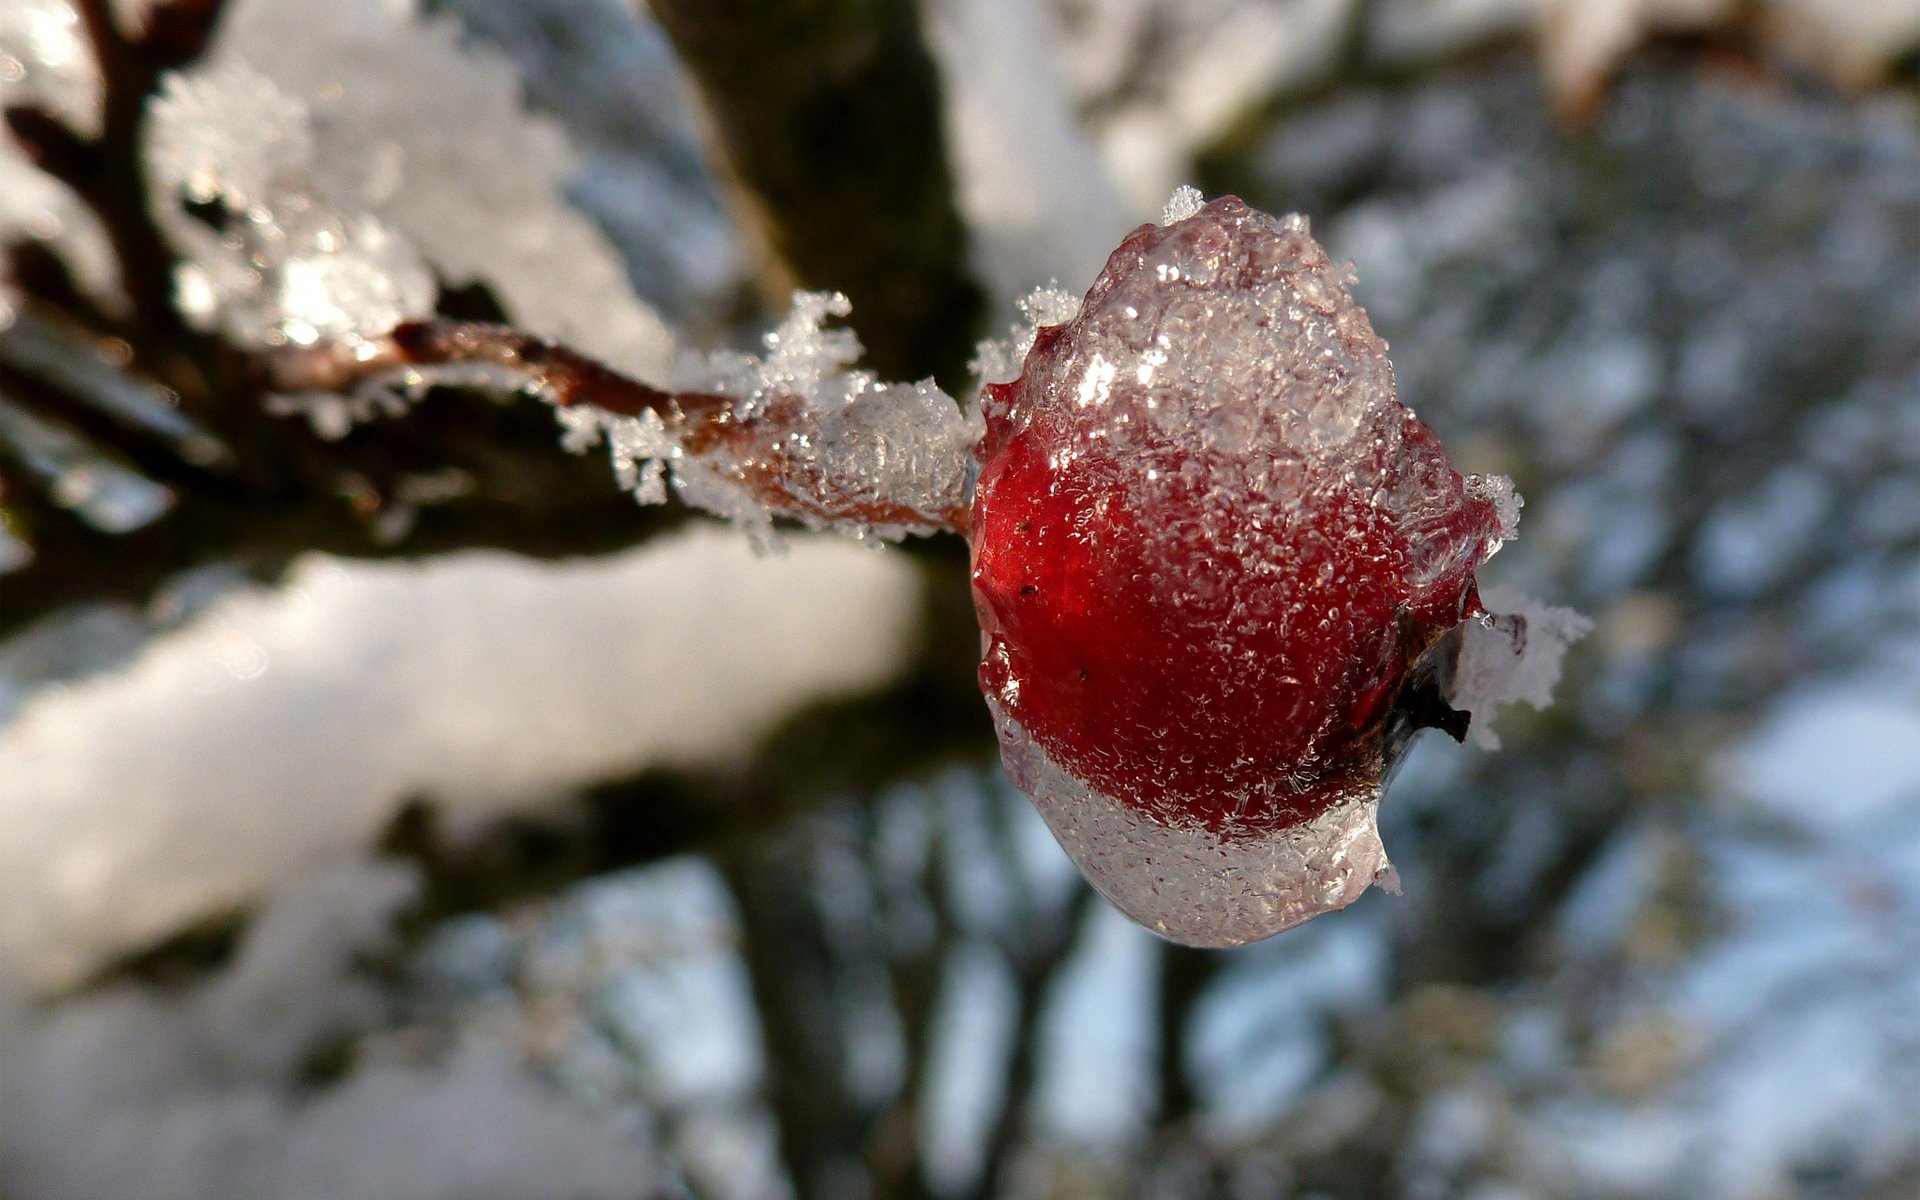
(364, 683)
(1185, 201)
(851, 441)
(1514, 656)
(998, 360)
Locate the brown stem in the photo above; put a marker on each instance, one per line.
(765, 452)
(177, 31)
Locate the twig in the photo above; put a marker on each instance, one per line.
(765, 451)
(1035, 968)
(120, 194)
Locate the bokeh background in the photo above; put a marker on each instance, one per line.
(408, 814)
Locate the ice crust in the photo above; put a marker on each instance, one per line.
(1189, 884)
(1237, 332)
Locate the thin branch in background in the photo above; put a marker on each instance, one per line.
(1036, 954)
(120, 194)
(827, 118)
(917, 968)
(59, 367)
(786, 948)
(1184, 976)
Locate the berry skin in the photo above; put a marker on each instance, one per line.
(1210, 550)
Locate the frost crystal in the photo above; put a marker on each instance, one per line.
(45, 62)
(1513, 656)
(1185, 201)
(998, 360)
(878, 459)
(1212, 553)
(803, 357)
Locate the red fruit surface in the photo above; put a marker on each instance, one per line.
(1208, 544)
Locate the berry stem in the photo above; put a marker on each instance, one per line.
(764, 450)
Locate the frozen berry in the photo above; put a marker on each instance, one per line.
(1209, 552)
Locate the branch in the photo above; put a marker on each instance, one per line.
(766, 452)
(120, 194)
(828, 117)
(1184, 975)
(291, 492)
(789, 956)
(1035, 967)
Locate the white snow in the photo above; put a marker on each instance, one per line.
(194, 1095)
(290, 264)
(431, 139)
(1505, 662)
(286, 725)
(1041, 202)
(35, 207)
(349, 193)
(46, 62)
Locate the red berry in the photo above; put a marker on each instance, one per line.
(1208, 547)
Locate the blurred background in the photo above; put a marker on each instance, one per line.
(396, 810)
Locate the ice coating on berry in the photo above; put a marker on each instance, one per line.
(1186, 882)
(1209, 549)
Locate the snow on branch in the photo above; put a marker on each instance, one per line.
(794, 433)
